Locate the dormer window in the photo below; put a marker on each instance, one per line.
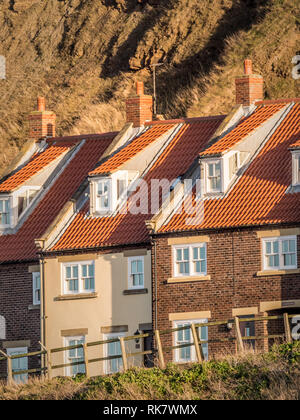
(213, 176)
(14, 205)
(107, 193)
(296, 168)
(25, 198)
(4, 212)
(103, 194)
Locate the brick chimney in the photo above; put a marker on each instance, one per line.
(139, 107)
(249, 87)
(41, 122)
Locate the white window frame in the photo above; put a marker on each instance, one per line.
(109, 195)
(23, 377)
(35, 275)
(110, 336)
(68, 369)
(176, 355)
(81, 288)
(10, 214)
(98, 208)
(24, 191)
(130, 280)
(207, 184)
(192, 272)
(295, 168)
(281, 265)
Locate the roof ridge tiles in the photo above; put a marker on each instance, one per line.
(79, 137)
(185, 120)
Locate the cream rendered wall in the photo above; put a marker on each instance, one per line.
(110, 308)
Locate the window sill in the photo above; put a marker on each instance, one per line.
(186, 279)
(33, 307)
(135, 291)
(277, 272)
(76, 296)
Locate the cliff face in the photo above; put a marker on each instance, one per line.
(84, 55)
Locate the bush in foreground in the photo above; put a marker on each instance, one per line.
(274, 375)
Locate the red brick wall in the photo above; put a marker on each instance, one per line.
(41, 124)
(139, 110)
(15, 298)
(249, 88)
(233, 259)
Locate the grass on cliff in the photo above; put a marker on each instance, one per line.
(84, 56)
(270, 376)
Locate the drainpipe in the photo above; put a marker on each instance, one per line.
(40, 245)
(155, 283)
(233, 271)
(43, 316)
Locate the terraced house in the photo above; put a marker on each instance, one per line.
(166, 223)
(98, 281)
(37, 187)
(240, 256)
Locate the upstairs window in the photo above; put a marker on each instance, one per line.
(280, 253)
(78, 278)
(103, 194)
(136, 272)
(4, 212)
(214, 176)
(36, 285)
(189, 260)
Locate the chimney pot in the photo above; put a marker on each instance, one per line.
(41, 103)
(139, 88)
(248, 66)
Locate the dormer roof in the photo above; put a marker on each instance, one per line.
(20, 246)
(260, 197)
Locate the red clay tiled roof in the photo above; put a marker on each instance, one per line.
(132, 149)
(259, 197)
(88, 232)
(20, 246)
(37, 163)
(244, 128)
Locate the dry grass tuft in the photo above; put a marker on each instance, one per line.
(84, 56)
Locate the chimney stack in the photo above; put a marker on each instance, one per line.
(139, 107)
(249, 87)
(41, 122)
